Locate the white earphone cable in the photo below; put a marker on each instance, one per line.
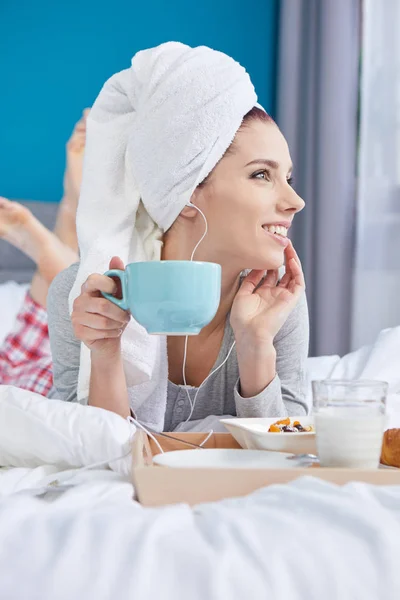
(143, 428)
(205, 232)
(62, 482)
(192, 404)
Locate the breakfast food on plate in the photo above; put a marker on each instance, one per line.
(285, 426)
(391, 448)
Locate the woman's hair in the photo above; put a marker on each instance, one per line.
(255, 114)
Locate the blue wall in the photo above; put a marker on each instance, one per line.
(54, 58)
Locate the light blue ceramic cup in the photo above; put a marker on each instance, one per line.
(170, 297)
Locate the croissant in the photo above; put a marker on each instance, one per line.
(391, 448)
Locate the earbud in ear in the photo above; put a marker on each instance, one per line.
(190, 204)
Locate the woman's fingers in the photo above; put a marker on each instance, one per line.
(99, 283)
(294, 271)
(250, 282)
(91, 324)
(92, 310)
(285, 280)
(271, 279)
(95, 317)
(92, 335)
(290, 253)
(98, 321)
(117, 263)
(102, 306)
(297, 272)
(296, 282)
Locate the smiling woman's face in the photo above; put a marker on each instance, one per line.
(248, 194)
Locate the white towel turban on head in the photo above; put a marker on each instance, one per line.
(155, 131)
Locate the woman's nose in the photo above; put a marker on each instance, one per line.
(293, 202)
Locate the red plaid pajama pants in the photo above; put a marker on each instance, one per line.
(25, 357)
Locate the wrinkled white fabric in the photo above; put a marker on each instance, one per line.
(308, 540)
(37, 431)
(377, 361)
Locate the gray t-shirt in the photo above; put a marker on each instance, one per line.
(285, 395)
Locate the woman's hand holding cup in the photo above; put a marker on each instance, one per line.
(96, 321)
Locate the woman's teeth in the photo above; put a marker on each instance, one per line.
(279, 229)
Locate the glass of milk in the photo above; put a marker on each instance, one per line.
(349, 422)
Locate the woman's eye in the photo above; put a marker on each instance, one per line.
(290, 181)
(264, 175)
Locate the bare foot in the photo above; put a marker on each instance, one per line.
(74, 166)
(20, 228)
(15, 223)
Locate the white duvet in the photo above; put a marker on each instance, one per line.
(308, 540)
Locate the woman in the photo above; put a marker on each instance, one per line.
(25, 359)
(249, 204)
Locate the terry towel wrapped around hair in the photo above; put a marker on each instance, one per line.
(154, 133)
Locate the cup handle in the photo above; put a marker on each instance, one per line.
(122, 277)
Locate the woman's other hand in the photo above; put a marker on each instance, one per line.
(96, 321)
(259, 311)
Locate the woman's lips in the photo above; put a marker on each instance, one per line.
(283, 241)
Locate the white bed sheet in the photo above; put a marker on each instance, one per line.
(95, 485)
(11, 297)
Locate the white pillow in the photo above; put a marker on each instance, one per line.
(35, 431)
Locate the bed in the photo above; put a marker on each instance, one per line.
(304, 541)
(308, 540)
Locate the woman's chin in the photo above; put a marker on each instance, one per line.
(265, 260)
(274, 261)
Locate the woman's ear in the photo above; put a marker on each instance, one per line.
(189, 211)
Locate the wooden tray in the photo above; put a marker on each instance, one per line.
(156, 486)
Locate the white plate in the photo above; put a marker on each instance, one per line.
(224, 458)
(253, 434)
